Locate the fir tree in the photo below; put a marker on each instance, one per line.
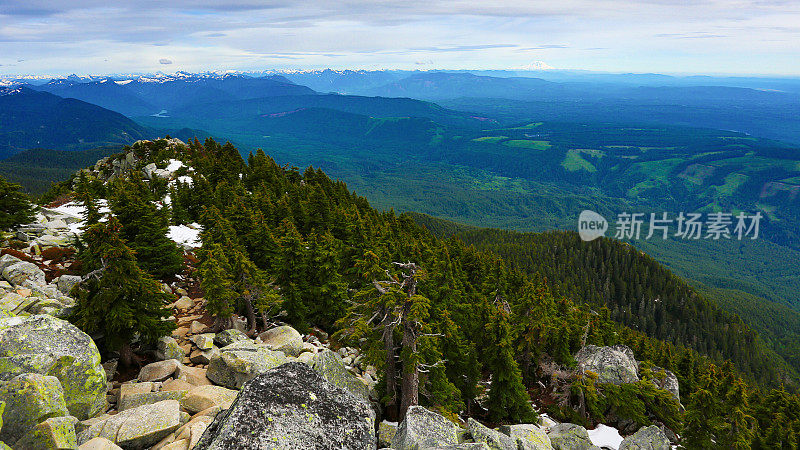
(15, 208)
(508, 400)
(145, 228)
(217, 282)
(116, 298)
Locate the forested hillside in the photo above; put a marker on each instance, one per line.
(278, 242)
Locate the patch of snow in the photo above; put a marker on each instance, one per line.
(605, 436)
(185, 179)
(174, 165)
(123, 82)
(186, 235)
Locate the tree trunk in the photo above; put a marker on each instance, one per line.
(251, 316)
(410, 386)
(126, 355)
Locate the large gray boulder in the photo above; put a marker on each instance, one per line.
(242, 361)
(615, 365)
(494, 439)
(53, 433)
(528, 436)
(138, 427)
(24, 272)
(568, 436)
(228, 337)
(422, 428)
(292, 407)
(283, 338)
(647, 438)
(329, 364)
(46, 345)
(29, 399)
(669, 382)
(67, 282)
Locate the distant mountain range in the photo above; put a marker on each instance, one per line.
(31, 119)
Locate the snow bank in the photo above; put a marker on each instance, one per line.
(605, 437)
(174, 165)
(186, 235)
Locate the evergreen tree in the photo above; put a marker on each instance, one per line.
(508, 400)
(145, 228)
(217, 282)
(116, 298)
(15, 208)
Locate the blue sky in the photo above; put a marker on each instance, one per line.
(47, 37)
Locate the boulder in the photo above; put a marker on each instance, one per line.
(494, 439)
(422, 428)
(647, 438)
(12, 301)
(615, 365)
(386, 432)
(284, 338)
(568, 436)
(46, 345)
(168, 348)
(228, 337)
(29, 399)
(54, 433)
(67, 282)
(24, 271)
(669, 382)
(193, 375)
(8, 260)
(99, 443)
(159, 371)
(241, 362)
(204, 341)
(203, 397)
(329, 364)
(137, 428)
(183, 303)
(292, 406)
(463, 446)
(203, 356)
(528, 436)
(132, 401)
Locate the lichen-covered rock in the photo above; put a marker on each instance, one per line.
(386, 432)
(528, 436)
(242, 361)
(145, 398)
(463, 446)
(99, 443)
(67, 282)
(168, 348)
(284, 338)
(292, 407)
(422, 428)
(647, 438)
(228, 337)
(669, 382)
(204, 341)
(329, 364)
(494, 439)
(46, 345)
(159, 370)
(24, 272)
(615, 365)
(8, 260)
(29, 399)
(568, 436)
(55, 433)
(203, 397)
(137, 428)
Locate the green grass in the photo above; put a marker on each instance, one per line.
(533, 145)
(490, 139)
(732, 182)
(573, 162)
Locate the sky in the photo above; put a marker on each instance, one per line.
(52, 37)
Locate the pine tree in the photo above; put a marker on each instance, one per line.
(508, 400)
(217, 282)
(145, 228)
(116, 298)
(15, 208)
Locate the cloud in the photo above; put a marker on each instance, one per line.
(165, 61)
